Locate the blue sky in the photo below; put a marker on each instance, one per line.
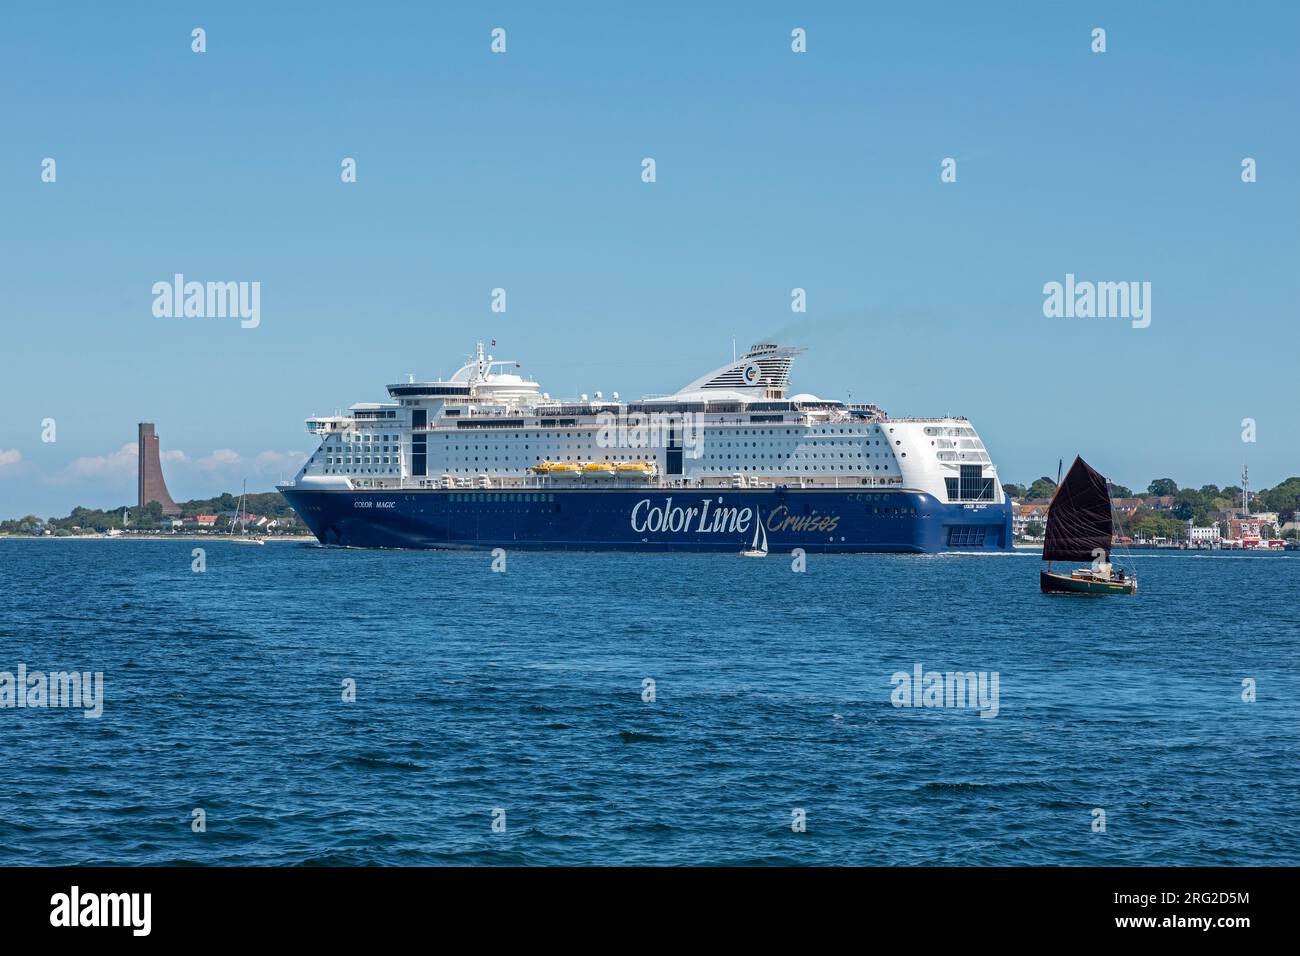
(775, 170)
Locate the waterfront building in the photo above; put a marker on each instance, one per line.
(1245, 530)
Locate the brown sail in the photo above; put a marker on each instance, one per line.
(1079, 518)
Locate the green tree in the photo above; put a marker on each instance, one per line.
(152, 511)
(1148, 524)
(28, 524)
(1013, 491)
(1284, 498)
(1119, 491)
(1162, 487)
(1042, 488)
(1194, 505)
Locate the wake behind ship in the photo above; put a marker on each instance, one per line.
(485, 459)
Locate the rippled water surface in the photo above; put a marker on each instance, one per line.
(479, 690)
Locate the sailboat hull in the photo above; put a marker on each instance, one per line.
(1067, 584)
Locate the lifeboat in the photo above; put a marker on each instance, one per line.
(563, 468)
(598, 469)
(636, 469)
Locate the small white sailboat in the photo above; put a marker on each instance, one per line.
(243, 537)
(759, 547)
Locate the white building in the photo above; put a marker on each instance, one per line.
(1204, 537)
(1022, 516)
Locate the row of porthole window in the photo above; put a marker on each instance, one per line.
(792, 468)
(832, 442)
(501, 496)
(784, 458)
(645, 426)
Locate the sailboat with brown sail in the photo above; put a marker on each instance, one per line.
(1079, 528)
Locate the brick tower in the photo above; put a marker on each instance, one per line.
(150, 476)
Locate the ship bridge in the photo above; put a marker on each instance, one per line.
(480, 379)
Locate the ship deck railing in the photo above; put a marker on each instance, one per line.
(544, 482)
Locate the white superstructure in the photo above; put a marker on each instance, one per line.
(489, 426)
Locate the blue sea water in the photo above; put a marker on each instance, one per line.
(523, 690)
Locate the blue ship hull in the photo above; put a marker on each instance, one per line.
(652, 519)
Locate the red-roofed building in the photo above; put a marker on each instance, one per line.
(1245, 530)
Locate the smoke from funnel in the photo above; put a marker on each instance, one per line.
(819, 330)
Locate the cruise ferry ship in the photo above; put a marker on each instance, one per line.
(486, 459)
